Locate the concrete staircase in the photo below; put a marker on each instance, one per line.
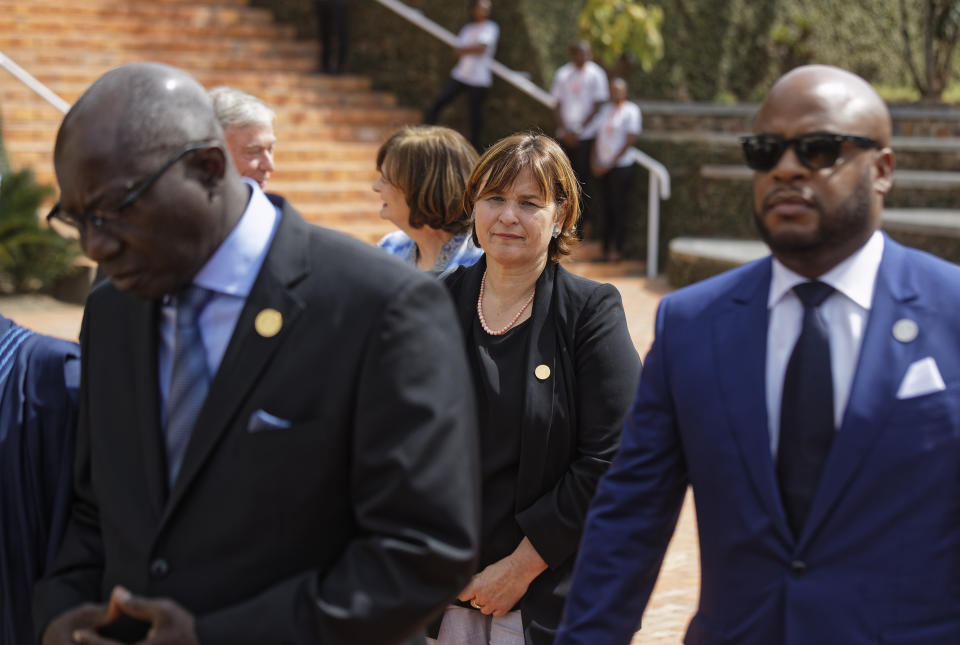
(923, 209)
(328, 127)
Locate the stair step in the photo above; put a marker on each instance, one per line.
(925, 221)
(252, 50)
(917, 144)
(288, 118)
(329, 127)
(213, 14)
(912, 179)
(121, 25)
(327, 151)
(69, 81)
(721, 249)
(695, 258)
(299, 192)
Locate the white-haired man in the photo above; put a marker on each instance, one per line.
(247, 125)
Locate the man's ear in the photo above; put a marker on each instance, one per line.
(884, 166)
(208, 166)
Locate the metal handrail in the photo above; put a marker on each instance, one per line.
(27, 79)
(516, 79)
(659, 189)
(659, 177)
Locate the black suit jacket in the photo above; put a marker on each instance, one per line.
(571, 420)
(354, 525)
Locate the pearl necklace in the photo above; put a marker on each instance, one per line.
(483, 321)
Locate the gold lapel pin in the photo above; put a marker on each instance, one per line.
(542, 372)
(268, 323)
(905, 330)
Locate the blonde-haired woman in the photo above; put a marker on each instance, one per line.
(554, 374)
(423, 171)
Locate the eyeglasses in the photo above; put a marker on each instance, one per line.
(98, 218)
(815, 150)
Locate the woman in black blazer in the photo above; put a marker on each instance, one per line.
(554, 372)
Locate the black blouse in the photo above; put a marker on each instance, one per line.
(500, 391)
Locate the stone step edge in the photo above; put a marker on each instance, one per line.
(946, 112)
(898, 143)
(942, 222)
(904, 178)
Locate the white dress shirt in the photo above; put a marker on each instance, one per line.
(229, 273)
(845, 311)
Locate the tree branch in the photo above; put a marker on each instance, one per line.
(908, 46)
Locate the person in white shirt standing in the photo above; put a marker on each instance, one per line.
(476, 46)
(580, 88)
(612, 161)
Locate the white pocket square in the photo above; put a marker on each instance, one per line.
(262, 420)
(922, 377)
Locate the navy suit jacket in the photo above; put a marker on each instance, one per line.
(878, 560)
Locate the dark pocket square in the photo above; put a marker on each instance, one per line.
(262, 420)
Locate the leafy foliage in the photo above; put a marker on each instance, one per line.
(31, 256)
(623, 28)
(930, 31)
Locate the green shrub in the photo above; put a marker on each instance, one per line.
(32, 256)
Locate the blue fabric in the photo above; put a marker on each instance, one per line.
(878, 557)
(458, 251)
(190, 379)
(39, 381)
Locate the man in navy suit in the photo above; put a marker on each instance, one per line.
(811, 399)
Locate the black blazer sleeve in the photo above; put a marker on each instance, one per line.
(601, 369)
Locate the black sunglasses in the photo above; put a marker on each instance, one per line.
(98, 220)
(815, 150)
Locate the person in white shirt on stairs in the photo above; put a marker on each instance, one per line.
(476, 46)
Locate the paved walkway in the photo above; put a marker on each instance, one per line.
(675, 596)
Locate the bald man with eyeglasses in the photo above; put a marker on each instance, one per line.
(274, 442)
(812, 401)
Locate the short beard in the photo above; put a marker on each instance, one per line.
(850, 220)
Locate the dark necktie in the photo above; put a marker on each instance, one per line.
(190, 378)
(806, 411)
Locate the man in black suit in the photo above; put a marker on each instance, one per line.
(322, 486)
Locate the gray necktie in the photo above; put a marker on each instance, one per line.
(189, 379)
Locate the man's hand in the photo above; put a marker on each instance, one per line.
(599, 169)
(496, 589)
(170, 624)
(64, 629)
(570, 138)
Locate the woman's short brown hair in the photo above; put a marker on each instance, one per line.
(430, 164)
(500, 165)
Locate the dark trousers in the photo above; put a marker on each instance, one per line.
(580, 160)
(615, 186)
(333, 17)
(476, 97)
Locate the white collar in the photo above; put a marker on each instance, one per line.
(234, 266)
(855, 277)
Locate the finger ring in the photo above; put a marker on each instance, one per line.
(475, 604)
